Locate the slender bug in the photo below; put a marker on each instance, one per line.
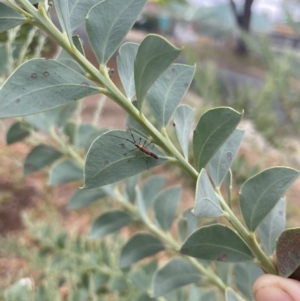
(141, 147)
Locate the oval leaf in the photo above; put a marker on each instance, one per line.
(154, 56)
(245, 274)
(219, 165)
(288, 252)
(62, 11)
(40, 157)
(64, 172)
(82, 198)
(141, 205)
(183, 120)
(260, 194)
(52, 118)
(218, 243)
(165, 206)
(151, 188)
(78, 11)
(113, 157)
(206, 202)
(167, 92)
(213, 129)
(186, 224)
(271, 227)
(109, 222)
(125, 61)
(139, 246)
(9, 18)
(176, 273)
(16, 132)
(46, 84)
(107, 24)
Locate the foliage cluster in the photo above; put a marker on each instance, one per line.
(209, 246)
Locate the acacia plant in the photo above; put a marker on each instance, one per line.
(46, 92)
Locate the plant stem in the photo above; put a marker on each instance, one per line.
(42, 21)
(248, 237)
(168, 238)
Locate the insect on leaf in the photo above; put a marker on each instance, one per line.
(113, 156)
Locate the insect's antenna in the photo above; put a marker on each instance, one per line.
(131, 133)
(121, 138)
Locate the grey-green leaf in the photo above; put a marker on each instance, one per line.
(216, 242)
(139, 246)
(151, 188)
(154, 56)
(168, 90)
(16, 132)
(112, 158)
(271, 227)
(52, 118)
(82, 198)
(186, 224)
(260, 194)
(183, 120)
(176, 273)
(40, 157)
(9, 18)
(288, 252)
(130, 187)
(245, 274)
(46, 84)
(64, 172)
(62, 11)
(213, 129)
(125, 62)
(219, 165)
(141, 205)
(206, 202)
(165, 206)
(78, 11)
(109, 222)
(142, 276)
(200, 294)
(107, 24)
(231, 295)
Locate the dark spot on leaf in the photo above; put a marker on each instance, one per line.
(106, 162)
(122, 145)
(184, 251)
(229, 156)
(173, 70)
(46, 73)
(280, 213)
(34, 75)
(17, 100)
(186, 85)
(85, 84)
(174, 124)
(222, 258)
